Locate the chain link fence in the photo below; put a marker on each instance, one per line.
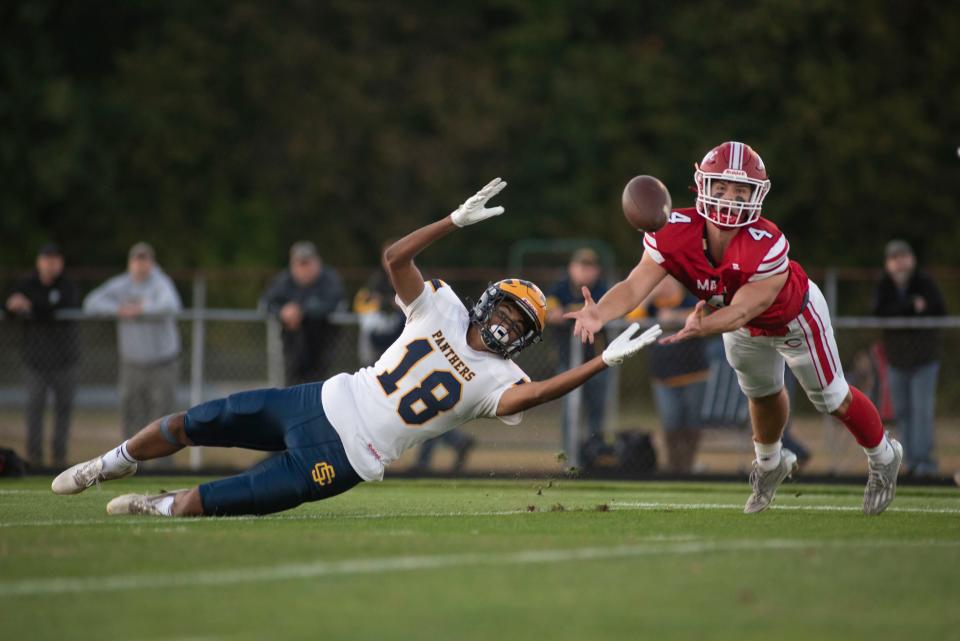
(224, 351)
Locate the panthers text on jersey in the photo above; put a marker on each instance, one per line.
(758, 251)
(427, 383)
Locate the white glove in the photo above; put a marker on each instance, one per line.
(626, 344)
(473, 210)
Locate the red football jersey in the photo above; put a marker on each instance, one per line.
(758, 251)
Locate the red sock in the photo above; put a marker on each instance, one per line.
(863, 420)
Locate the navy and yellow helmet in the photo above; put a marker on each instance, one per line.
(526, 297)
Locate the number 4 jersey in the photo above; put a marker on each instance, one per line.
(758, 251)
(427, 383)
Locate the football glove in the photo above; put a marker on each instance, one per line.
(473, 210)
(626, 344)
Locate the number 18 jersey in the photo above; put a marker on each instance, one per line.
(427, 383)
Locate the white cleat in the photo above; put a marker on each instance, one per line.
(82, 475)
(765, 483)
(138, 504)
(882, 482)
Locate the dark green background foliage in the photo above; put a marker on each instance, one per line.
(223, 130)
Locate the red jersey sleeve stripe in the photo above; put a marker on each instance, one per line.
(770, 264)
(652, 250)
(773, 267)
(770, 272)
(778, 251)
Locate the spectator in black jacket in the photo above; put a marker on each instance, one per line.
(913, 354)
(303, 297)
(49, 349)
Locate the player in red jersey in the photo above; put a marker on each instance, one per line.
(767, 310)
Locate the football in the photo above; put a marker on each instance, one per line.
(646, 203)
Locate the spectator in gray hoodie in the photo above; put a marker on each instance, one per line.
(145, 302)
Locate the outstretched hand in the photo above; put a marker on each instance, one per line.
(473, 210)
(588, 321)
(628, 343)
(692, 328)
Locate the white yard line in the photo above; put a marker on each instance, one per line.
(653, 505)
(204, 638)
(313, 569)
(648, 506)
(152, 520)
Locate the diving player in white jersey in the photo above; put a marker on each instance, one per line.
(449, 366)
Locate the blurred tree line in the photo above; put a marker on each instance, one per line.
(223, 130)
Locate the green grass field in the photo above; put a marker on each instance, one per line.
(486, 560)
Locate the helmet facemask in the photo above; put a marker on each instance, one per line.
(732, 162)
(724, 212)
(496, 327)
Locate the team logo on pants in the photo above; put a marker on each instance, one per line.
(323, 473)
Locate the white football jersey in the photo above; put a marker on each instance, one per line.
(427, 383)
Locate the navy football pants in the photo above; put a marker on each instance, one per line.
(312, 464)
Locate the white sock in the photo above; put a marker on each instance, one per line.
(118, 459)
(882, 453)
(768, 455)
(165, 505)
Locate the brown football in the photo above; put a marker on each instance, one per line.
(646, 203)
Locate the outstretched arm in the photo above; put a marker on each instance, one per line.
(522, 397)
(398, 258)
(105, 299)
(621, 299)
(748, 303)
